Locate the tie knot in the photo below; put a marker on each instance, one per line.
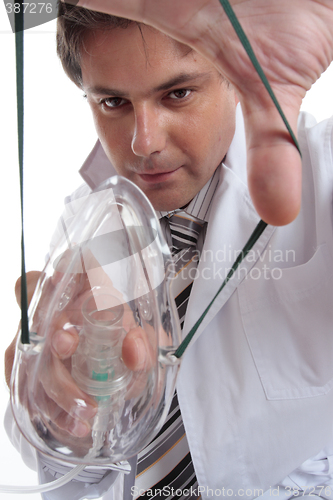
(185, 230)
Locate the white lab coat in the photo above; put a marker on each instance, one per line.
(255, 383)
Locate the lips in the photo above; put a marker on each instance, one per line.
(158, 177)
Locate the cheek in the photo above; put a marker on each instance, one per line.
(113, 140)
(103, 129)
(223, 127)
(214, 125)
(209, 141)
(193, 136)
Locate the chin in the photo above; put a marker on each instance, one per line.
(166, 207)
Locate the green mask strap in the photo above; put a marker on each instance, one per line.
(261, 225)
(247, 46)
(19, 46)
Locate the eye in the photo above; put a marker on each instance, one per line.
(179, 93)
(112, 102)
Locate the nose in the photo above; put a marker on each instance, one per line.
(149, 132)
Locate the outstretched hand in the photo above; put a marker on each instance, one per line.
(293, 42)
(68, 411)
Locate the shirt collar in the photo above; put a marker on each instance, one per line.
(200, 206)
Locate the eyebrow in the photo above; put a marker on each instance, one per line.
(177, 80)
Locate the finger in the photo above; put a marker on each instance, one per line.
(70, 303)
(56, 419)
(74, 426)
(62, 390)
(64, 343)
(136, 350)
(9, 358)
(131, 9)
(32, 278)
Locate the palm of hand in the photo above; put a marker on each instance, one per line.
(293, 42)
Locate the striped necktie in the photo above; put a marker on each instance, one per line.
(185, 231)
(166, 462)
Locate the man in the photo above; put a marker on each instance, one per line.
(166, 119)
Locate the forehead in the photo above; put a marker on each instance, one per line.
(139, 52)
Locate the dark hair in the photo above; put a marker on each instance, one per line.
(72, 26)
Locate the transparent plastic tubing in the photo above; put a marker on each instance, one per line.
(42, 488)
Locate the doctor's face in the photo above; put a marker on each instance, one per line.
(163, 114)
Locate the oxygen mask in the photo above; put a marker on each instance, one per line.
(105, 287)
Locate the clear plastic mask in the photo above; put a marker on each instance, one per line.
(107, 284)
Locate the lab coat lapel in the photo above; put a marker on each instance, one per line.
(231, 222)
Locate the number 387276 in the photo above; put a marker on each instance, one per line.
(29, 8)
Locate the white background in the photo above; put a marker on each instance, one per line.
(59, 134)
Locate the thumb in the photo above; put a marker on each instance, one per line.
(32, 280)
(273, 162)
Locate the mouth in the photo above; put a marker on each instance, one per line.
(158, 177)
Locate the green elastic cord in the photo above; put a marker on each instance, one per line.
(19, 45)
(247, 46)
(261, 225)
(249, 244)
